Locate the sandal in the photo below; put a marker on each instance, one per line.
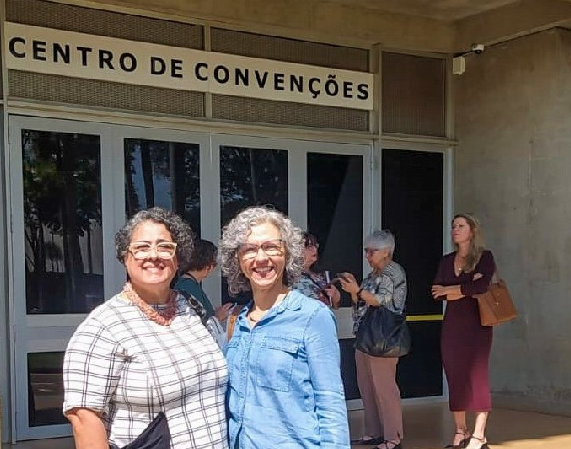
(389, 445)
(366, 441)
(463, 443)
(483, 442)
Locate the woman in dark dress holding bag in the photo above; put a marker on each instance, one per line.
(465, 343)
(376, 376)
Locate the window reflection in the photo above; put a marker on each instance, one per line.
(335, 211)
(62, 220)
(45, 389)
(251, 176)
(164, 174)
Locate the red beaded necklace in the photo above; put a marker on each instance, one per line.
(163, 317)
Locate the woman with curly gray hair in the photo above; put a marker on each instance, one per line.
(285, 386)
(142, 363)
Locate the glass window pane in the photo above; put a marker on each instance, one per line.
(62, 220)
(248, 177)
(45, 389)
(251, 176)
(335, 211)
(164, 174)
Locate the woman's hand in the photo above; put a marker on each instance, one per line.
(334, 295)
(88, 429)
(349, 283)
(221, 313)
(438, 291)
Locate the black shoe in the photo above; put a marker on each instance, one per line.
(367, 441)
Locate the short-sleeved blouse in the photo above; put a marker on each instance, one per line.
(128, 368)
(312, 285)
(389, 288)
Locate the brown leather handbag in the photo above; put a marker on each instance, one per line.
(496, 305)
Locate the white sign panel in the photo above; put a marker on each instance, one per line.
(57, 52)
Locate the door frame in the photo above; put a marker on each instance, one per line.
(59, 326)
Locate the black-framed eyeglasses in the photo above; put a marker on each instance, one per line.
(269, 247)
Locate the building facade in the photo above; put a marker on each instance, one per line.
(345, 115)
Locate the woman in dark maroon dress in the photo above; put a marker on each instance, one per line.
(465, 343)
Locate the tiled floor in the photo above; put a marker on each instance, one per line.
(429, 426)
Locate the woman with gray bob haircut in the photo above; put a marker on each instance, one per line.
(236, 233)
(285, 387)
(385, 286)
(142, 362)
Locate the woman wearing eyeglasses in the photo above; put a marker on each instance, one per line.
(285, 386)
(312, 283)
(385, 286)
(142, 365)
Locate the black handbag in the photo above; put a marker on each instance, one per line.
(157, 435)
(383, 333)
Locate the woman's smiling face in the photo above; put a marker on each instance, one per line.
(152, 269)
(263, 270)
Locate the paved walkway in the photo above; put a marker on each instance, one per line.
(429, 426)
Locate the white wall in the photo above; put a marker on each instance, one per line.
(513, 170)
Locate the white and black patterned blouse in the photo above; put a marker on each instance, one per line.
(128, 368)
(389, 288)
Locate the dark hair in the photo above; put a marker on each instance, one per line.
(204, 256)
(310, 240)
(179, 230)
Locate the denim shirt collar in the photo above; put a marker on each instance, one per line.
(292, 301)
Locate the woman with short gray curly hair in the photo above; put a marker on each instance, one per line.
(142, 362)
(236, 232)
(283, 343)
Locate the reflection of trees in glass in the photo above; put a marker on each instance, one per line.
(61, 174)
(252, 177)
(163, 174)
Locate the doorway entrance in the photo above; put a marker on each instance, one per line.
(74, 183)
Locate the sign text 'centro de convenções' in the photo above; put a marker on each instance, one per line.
(67, 53)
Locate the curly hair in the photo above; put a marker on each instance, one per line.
(235, 234)
(179, 230)
(477, 244)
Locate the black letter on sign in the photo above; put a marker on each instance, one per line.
(158, 66)
(61, 52)
(176, 67)
(84, 51)
(242, 76)
(132, 62)
(363, 91)
(39, 50)
(221, 79)
(105, 58)
(279, 81)
(197, 67)
(12, 47)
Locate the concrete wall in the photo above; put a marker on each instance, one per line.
(513, 170)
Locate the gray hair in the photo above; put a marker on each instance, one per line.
(179, 230)
(381, 239)
(235, 234)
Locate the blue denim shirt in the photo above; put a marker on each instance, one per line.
(285, 387)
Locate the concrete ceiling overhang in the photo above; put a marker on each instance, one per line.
(443, 26)
(445, 10)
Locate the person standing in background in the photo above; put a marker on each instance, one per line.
(201, 264)
(312, 283)
(465, 343)
(385, 286)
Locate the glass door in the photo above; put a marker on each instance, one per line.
(61, 251)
